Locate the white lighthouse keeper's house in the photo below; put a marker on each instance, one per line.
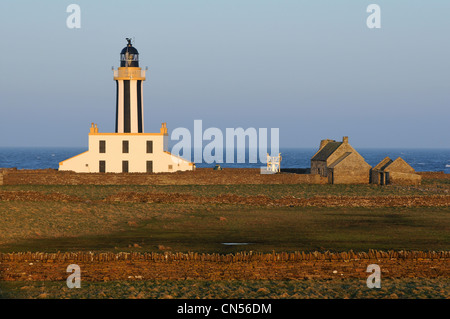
(129, 149)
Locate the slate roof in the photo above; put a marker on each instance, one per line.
(383, 164)
(326, 151)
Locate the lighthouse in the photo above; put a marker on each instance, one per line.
(128, 149)
(129, 79)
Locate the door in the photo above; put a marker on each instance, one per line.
(124, 166)
(149, 166)
(102, 166)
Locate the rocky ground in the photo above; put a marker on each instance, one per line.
(409, 288)
(273, 276)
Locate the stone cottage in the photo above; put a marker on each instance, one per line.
(394, 172)
(340, 162)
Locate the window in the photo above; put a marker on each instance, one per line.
(125, 145)
(149, 166)
(149, 146)
(170, 166)
(102, 166)
(102, 147)
(124, 166)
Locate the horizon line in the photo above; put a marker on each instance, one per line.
(281, 147)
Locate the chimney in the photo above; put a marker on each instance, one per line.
(345, 139)
(163, 128)
(93, 129)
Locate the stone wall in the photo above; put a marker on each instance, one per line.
(319, 167)
(398, 178)
(353, 169)
(244, 256)
(201, 176)
(434, 175)
(240, 266)
(349, 176)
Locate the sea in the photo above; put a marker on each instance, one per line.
(433, 160)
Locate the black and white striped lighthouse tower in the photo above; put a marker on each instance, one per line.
(129, 79)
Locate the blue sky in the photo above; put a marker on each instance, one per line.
(311, 68)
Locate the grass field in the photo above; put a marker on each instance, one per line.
(235, 289)
(91, 223)
(53, 226)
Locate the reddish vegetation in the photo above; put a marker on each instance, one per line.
(36, 196)
(317, 201)
(201, 176)
(434, 175)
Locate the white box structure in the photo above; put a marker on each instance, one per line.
(126, 153)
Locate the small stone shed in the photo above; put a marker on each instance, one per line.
(396, 172)
(340, 162)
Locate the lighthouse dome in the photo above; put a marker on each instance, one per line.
(129, 56)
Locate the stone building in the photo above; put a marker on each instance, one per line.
(394, 172)
(340, 162)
